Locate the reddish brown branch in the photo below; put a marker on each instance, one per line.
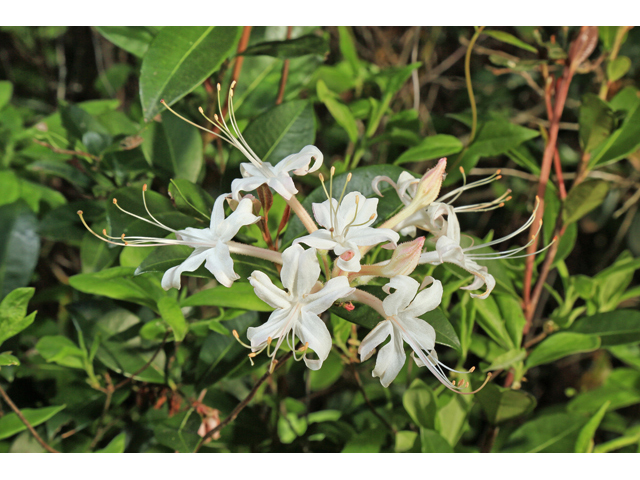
(17, 411)
(285, 74)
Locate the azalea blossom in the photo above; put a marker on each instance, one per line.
(297, 309)
(212, 245)
(402, 309)
(347, 226)
(431, 218)
(257, 172)
(449, 249)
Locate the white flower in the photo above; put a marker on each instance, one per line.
(431, 218)
(211, 244)
(296, 310)
(402, 323)
(258, 172)
(277, 177)
(448, 249)
(346, 228)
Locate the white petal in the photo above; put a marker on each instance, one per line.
(267, 291)
(273, 328)
(171, 277)
(242, 216)
(405, 290)
(334, 289)
(245, 185)
(417, 333)
(300, 270)
(322, 212)
(374, 338)
(426, 300)
(299, 162)
(220, 263)
(283, 184)
(311, 329)
(367, 236)
(351, 265)
(390, 360)
(320, 239)
(217, 214)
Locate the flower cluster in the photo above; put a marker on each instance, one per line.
(346, 227)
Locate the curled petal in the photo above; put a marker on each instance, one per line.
(334, 289)
(171, 277)
(242, 216)
(374, 338)
(320, 239)
(299, 162)
(283, 184)
(390, 360)
(426, 301)
(267, 291)
(405, 290)
(245, 185)
(272, 328)
(378, 180)
(312, 330)
(349, 260)
(220, 263)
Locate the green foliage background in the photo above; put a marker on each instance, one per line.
(112, 363)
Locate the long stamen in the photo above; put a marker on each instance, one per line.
(455, 193)
(144, 200)
(80, 214)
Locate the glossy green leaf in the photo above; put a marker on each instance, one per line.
(134, 40)
(510, 39)
(171, 313)
(368, 441)
(295, 47)
(584, 443)
(560, 345)
(584, 198)
(239, 295)
(13, 313)
(6, 91)
(191, 199)
(432, 442)
(596, 121)
(59, 349)
(555, 433)
(619, 327)
(621, 388)
(405, 440)
(163, 258)
(127, 357)
(6, 360)
(618, 68)
(173, 148)
(420, 403)
(10, 424)
(501, 404)
(623, 141)
(179, 59)
(338, 110)
(116, 445)
(279, 132)
(19, 246)
(491, 320)
(607, 35)
(178, 432)
(435, 146)
(96, 254)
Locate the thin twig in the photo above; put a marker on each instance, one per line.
(145, 366)
(17, 411)
(232, 416)
(66, 152)
(369, 404)
(285, 73)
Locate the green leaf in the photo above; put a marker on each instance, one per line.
(510, 39)
(420, 403)
(6, 91)
(173, 147)
(134, 40)
(560, 345)
(13, 310)
(116, 445)
(59, 349)
(171, 313)
(607, 36)
(179, 59)
(338, 110)
(279, 132)
(360, 182)
(619, 327)
(596, 121)
(296, 47)
(405, 441)
(432, 147)
(119, 284)
(623, 141)
(348, 49)
(507, 359)
(10, 424)
(618, 68)
(494, 137)
(501, 404)
(432, 442)
(584, 198)
(622, 388)
(584, 443)
(555, 433)
(163, 258)
(368, 441)
(96, 254)
(191, 199)
(178, 432)
(239, 295)
(332, 369)
(7, 360)
(19, 246)
(491, 320)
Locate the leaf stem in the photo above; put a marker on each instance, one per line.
(467, 77)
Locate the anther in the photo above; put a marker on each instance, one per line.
(144, 187)
(115, 201)
(79, 212)
(252, 354)
(472, 369)
(201, 110)
(321, 177)
(333, 171)
(233, 84)
(218, 86)
(235, 334)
